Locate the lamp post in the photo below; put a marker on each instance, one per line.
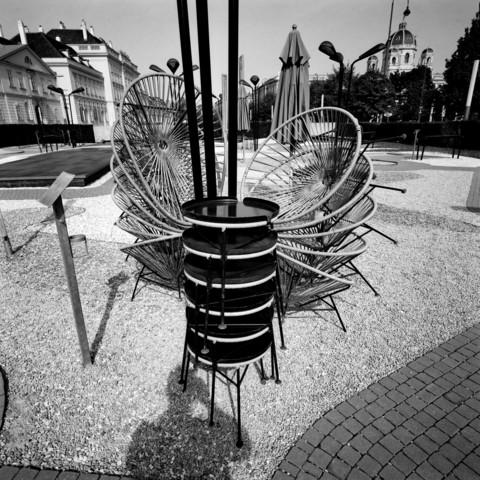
(328, 49)
(59, 90)
(254, 79)
(77, 90)
(372, 51)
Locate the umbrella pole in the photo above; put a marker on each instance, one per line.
(190, 97)
(206, 84)
(232, 95)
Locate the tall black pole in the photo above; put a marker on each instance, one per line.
(206, 84)
(232, 95)
(190, 97)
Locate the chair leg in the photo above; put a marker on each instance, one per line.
(212, 402)
(263, 379)
(357, 271)
(136, 283)
(280, 312)
(380, 233)
(184, 358)
(186, 372)
(239, 424)
(338, 313)
(275, 373)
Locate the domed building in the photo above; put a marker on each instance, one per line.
(402, 51)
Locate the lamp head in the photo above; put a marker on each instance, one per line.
(53, 88)
(244, 82)
(78, 90)
(157, 69)
(173, 64)
(254, 79)
(377, 48)
(327, 48)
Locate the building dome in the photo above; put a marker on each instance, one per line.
(403, 36)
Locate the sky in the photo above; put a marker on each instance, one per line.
(147, 30)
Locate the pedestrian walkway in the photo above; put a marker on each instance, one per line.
(420, 422)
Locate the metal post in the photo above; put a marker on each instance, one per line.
(387, 43)
(470, 90)
(4, 235)
(65, 248)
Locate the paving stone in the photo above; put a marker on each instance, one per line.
(306, 447)
(394, 417)
(305, 476)
(396, 396)
(463, 472)
(415, 384)
(88, 476)
(297, 457)
(425, 378)
(369, 465)
(444, 404)
(383, 425)
(378, 389)
(452, 378)
(426, 396)
(473, 461)
(406, 390)
(339, 468)
(357, 402)
(288, 468)
(372, 434)
(364, 417)
(457, 419)
(416, 403)
(437, 436)
(403, 463)
(47, 475)
(461, 372)
(399, 377)
(441, 463)
(380, 454)
(416, 366)
(323, 426)
(388, 383)
(447, 427)
(8, 473)
(426, 471)
(425, 419)
(434, 411)
(320, 458)
(68, 476)
(389, 472)
(313, 436)
(451, 453)
(360, 443)
(406, 410)
(391, 444)
(471, 385)
(465, 393)
(349, 455)
(415, 427)
(375, 410)
(426, 444)
(460, 442)
(443, 384)
(334, 417)
(26, 474)
(368, 395)
(403, 435)
(385, 402)
(353, 425)
(356, 474)
(313, 470)
(341, 434)
(330, 445)
(415, 453)
(470, 434)
(281, 476)
(346, 409)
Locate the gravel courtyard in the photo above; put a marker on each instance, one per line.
(128, 415)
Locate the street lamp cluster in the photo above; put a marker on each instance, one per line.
(60, 91)
(172, 65)
(254, 79)
(328, 49)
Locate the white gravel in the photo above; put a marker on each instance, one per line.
(128, 415)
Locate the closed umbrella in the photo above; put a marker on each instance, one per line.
(243, 114)
(293, 94)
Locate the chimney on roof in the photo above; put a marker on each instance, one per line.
(62, 25)
(91, 30)
(40, 28)
(21, 31)
(27, 30)
(84, 30)
(110, 44)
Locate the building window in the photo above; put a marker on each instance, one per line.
(28, 60)
(83, 47)
(19, 113)
(27, 112)
(394, 61)
(21, 83)
(10, 78)
(407, 58)
(33, 83)
(2, 119)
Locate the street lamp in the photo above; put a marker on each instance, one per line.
(59, 90)
(254, 79)
(77, 90)
(173, 64)
(328, 49)
(372, 51)
(157, 69)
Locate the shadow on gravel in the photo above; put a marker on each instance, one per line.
(114, 283)
(180, 443)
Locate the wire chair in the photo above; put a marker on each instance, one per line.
(303, 163)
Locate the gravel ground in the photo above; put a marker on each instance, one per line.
(127, 414)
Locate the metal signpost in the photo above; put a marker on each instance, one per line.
(53, 197)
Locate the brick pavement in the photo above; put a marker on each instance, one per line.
(421, 422)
